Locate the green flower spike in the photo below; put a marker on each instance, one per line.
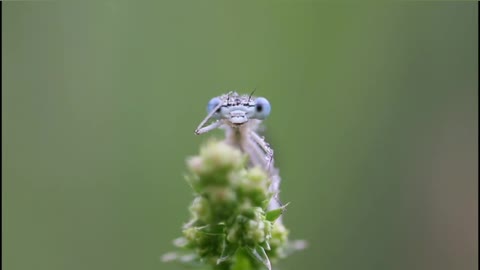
(230, 227)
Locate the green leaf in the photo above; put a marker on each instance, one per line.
(272, 215)
(266, 245)
(212, 229)
(259, 254)
(227, 252)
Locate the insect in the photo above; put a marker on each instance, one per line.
(241, 116)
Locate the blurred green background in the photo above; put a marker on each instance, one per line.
(374, 125)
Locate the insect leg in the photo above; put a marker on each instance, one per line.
(265, 147)
(255, 153)
(213, 125)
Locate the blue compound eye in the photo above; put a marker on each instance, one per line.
(213, 103)
(262, 108)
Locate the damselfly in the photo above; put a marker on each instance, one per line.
(241, 116)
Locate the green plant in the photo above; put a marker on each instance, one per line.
(230, 227)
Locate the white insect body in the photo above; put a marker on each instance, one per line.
(240, 116)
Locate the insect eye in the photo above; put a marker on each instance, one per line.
(262, 108)
(212, 104)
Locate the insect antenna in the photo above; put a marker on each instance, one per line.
(250, 96)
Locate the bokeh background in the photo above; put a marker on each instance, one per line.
(374, 125)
